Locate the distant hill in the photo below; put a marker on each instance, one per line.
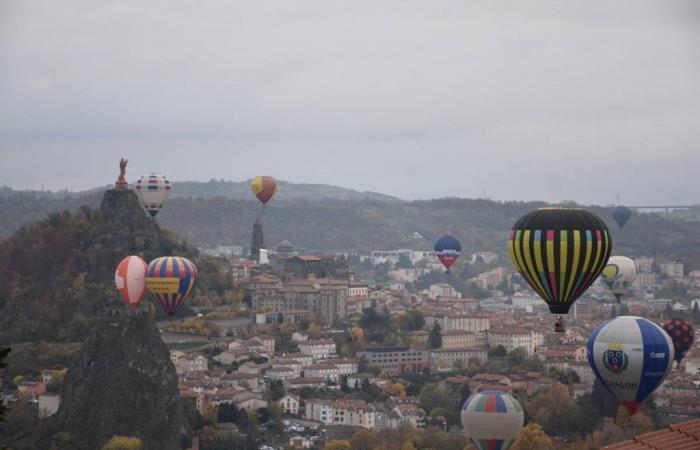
(364, 222)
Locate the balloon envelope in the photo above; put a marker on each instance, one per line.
(448, 249)
(492, 419)
(630, 356)
(682, 335)
(619, 274)
(264, 188)
(559, 252)
(152, 191)
(171, 279)
(130, 279)
(621, 215)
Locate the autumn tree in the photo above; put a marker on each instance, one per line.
(338, 444)
(358, 335)
(555, 410)
(533, 437)
(394, 389)
(366, 440)
(314, 331)
(123, 443)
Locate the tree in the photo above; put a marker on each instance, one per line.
(275, 390)
(555, 410)
(613, 312)
(358, 334)
(338, 444)
(431, 397)
(498, 351)
(394, 389)
(404, 262)
(228, 413)
(517, 357)
(412, 320)
(435, 337)
(314, 331)
(366, 440)
(408, 445)
(123, 443)
(533, 437)
(696, 313)
(4, 351)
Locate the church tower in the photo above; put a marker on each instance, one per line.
(257, 242)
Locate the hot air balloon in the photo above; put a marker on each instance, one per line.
(448, 249)
(619, 274)
(153, 190)
(130, 278)
(621, 214)
(682, 335)
(559, 252)
(630, 356)
(492, 420)
(264, 188)
(171, 279)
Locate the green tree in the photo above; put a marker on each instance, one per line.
(517, 357)
(431, 397)
(123, 443)
(404, 262)
(412, 320)
(227, 413)
(498, 351)
(435, 336)
(613, 312)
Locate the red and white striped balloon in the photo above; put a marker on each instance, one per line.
(130, 279)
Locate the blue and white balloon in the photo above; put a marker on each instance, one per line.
(631, 357)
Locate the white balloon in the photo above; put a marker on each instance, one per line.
(619, 274)
(492, 419)
(152, 191)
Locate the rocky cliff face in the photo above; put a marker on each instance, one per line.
(122, 383)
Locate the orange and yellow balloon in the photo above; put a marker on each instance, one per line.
(264, 188)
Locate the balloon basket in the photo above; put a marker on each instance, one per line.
(559, 326)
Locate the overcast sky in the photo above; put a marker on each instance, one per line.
(566, 100)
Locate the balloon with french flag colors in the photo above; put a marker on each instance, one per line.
(130, 279)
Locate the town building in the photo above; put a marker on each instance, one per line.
(397, 360)
(318, 348)
(289, 404)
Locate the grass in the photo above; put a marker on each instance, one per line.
(186, 345)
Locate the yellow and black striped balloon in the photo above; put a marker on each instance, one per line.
(560, 252)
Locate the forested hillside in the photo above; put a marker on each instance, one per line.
(338, 223)
(56, 275)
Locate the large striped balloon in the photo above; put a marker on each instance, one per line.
(264, 188)
(630, 356)
(152, 191)
(130, 279)
(492, 420)
(559, 252)
(171, 279)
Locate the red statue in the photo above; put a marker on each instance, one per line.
(121, 184)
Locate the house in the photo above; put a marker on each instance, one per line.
(268, 342)
(280, 372)
(175, 355)
(346, 366)
(443, 360)
(250, 402)
(298, 383)
(300, 442)
(304, 359)
(48, 405)
(193, 362)
(397, 360)
(458, 339)
(30, 389)
(289, 404)
(249, 367)
(299, 336)
(318, 349)
(326, 371)
(512, 338)
(249, 381)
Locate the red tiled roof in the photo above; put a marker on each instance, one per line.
(681, 436)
